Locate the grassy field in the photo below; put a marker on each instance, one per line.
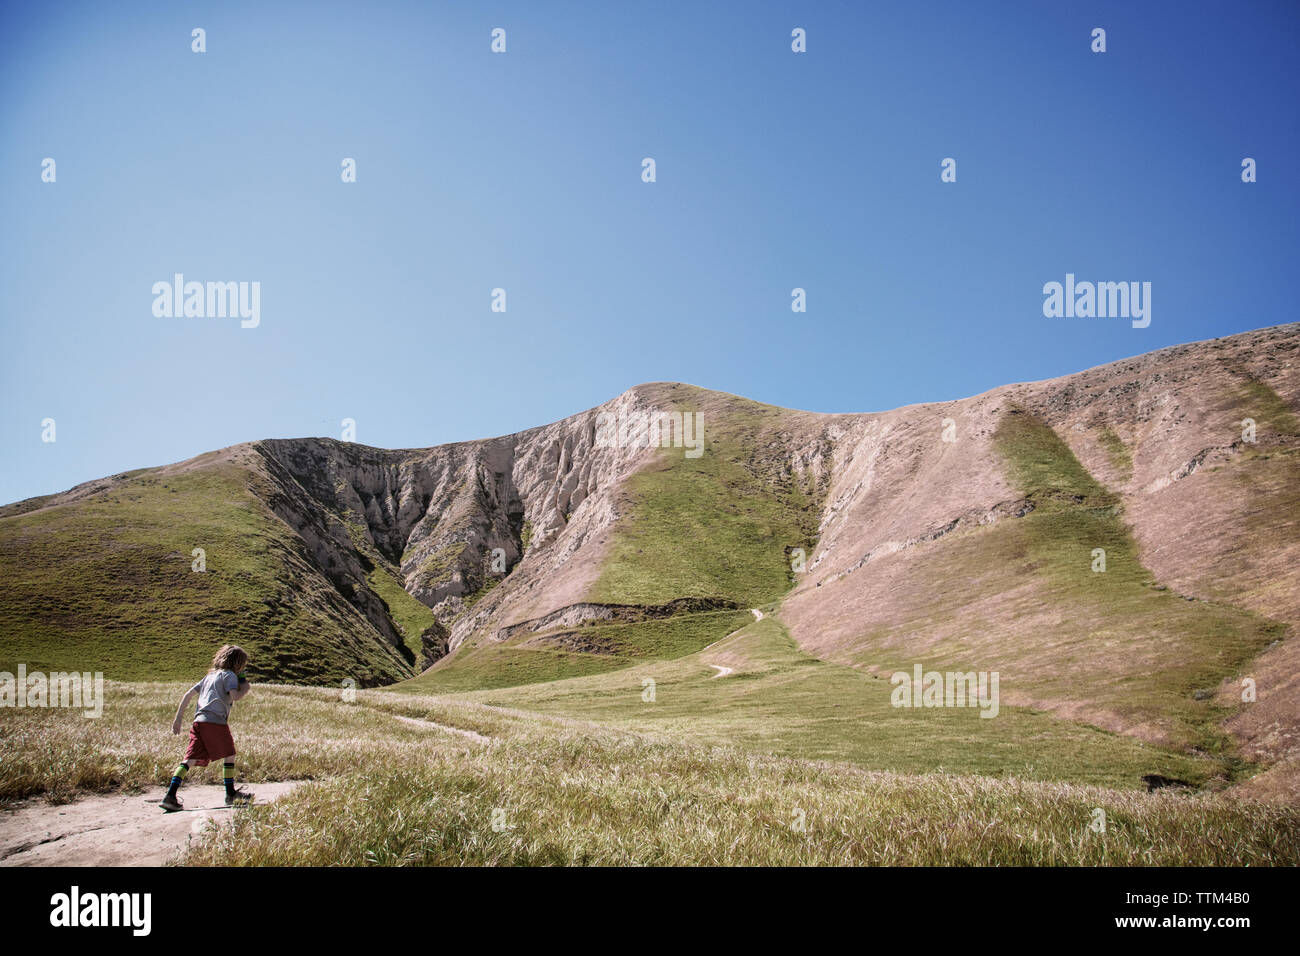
(553, 791)
(780, 700)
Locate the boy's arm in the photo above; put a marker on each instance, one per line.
(241, 689)
(180, 711)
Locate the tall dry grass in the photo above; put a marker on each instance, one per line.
(550, 791)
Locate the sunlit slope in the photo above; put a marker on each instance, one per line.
(722, 524)
(106, 582)
(1059, 603)
(1110, 542)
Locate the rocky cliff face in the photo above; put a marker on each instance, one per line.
(476, 530)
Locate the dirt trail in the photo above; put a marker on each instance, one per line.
(430, 725)
(722, 669)
(117, 829)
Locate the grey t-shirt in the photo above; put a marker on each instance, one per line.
(214, 697)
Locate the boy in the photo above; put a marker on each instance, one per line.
(210, 734)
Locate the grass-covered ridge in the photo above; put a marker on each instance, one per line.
(106, 584)
(1121, 459)
(1178, 646)
(410, 616)
(720, 525)
(1041, 466)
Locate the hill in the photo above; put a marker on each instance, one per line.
(1121, 545)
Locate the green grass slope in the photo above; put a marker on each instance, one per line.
(106, 584)
(533, 659)
(720, 525)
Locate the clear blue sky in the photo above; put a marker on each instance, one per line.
(523, 171)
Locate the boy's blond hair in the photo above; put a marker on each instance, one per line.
(231, 657)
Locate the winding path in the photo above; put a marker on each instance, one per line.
(722, 670)
(430, 725)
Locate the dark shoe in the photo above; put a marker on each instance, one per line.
(171, 803)
(239, 798)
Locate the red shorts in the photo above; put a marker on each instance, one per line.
(208, 742)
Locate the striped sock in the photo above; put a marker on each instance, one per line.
(177, 778)
(230, 778)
